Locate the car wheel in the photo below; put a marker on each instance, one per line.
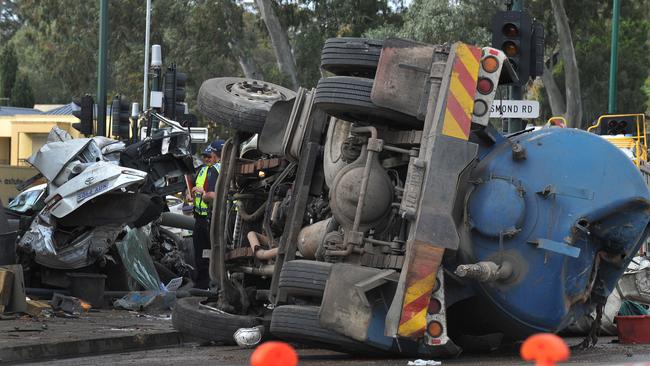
(190, 318)
(348, 98)
(347, 56)
(240, 103)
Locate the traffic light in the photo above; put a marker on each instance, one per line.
(620, 125)
(85, 115)
(120, 118)
(537, 50)
(511, 33)
(174, 92)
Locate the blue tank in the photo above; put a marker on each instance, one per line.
(561, 212)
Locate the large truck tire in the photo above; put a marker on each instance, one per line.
(300, 324)
(190, 319)
(348, 98)
(348, 56)
(304, 278)
(240, 103)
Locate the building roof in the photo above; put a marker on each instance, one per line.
(14, 111)
(47, 107)
(65, 109)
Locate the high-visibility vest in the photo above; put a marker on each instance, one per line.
(200, 206)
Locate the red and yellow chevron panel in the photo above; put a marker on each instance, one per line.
(462, 89)
(420, 279)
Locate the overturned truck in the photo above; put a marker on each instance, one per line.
(381, 213)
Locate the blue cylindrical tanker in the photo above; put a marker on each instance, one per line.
(558, 213)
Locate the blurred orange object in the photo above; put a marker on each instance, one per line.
(545, 349)
(274, 354)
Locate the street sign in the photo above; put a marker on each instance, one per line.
(514, 109)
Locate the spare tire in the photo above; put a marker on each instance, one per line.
(188, 317)
(240, 103)
(348, 98)
(348, 56)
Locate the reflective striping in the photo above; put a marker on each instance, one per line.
(421, 270)
(413, 328)
(419, 287)
(462, 89)
(470, 56)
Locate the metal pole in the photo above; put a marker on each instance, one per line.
(515, 91)
(101, 68)
(145, 87)
(613, 60)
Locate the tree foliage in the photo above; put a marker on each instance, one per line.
(55, 41)
(22, 95)
(8, 70)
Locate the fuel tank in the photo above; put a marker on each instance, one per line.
(561, 212)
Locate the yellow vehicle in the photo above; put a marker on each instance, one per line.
(628, 133)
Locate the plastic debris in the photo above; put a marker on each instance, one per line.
(146, 300)
(248, 337)
(421, 362)
(134, 251)
(68, 306)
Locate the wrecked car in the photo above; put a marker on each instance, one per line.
(382, 213)
(97, 189)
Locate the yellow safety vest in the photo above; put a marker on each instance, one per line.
(200, 206)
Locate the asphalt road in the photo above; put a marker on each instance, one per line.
(605, 353)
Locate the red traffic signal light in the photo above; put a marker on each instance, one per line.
(511, 33)
(510, 30)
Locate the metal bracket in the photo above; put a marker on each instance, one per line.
(568, 191)
(557, 247)
(368, 284)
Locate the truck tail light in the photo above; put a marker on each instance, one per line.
(485, 86)
(434, 329)
(491, 64)
(434, 306)
(435, 332)
(480, 108)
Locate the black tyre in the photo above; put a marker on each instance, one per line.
(304, 278)
(347, 56)
(239, 103)
(348, 98)
(300, 324)
(191, 319)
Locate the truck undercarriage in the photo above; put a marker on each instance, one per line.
(381, 213)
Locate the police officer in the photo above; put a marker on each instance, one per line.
(204, 194)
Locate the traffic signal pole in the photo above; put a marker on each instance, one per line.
(613, 61)
(101, 68)
(514, 91)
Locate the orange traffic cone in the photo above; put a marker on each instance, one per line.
(545, 349)
(274, 354)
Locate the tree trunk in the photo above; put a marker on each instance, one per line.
(558, 107)
(571, 76)
(279, 41)
(246, 62)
